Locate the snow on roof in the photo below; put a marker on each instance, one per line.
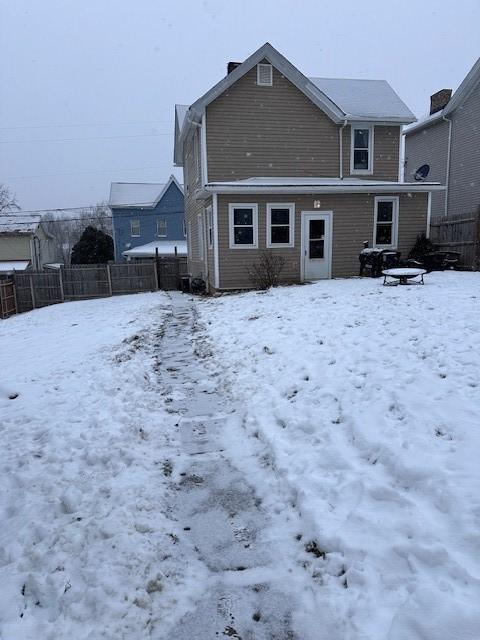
(139, 194)
(165, 248)
(423, 122)
(19, 223)
(364, 99)
(13, 265)
(317, 185)
(181, 112)
(134, 193)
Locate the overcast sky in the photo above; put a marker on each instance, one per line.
(88, 86)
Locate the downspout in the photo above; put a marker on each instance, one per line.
(340, 137)
(447, 177)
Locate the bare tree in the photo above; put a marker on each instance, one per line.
(8, 201)
(67, 229)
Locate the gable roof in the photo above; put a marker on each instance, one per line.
(466, 87)
(18, 223)
(340, 99)
(139, 194)
(365, 99)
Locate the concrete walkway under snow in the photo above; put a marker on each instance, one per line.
(223, 519)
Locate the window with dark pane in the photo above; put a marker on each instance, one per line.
(280, 226)
(243, 226)
(242, 217)
(316, 239)
(385, 212)
(361, 146)
(384, 234)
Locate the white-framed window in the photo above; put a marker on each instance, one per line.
(209, 217)
(243, 225)
(280, 224)
(264, 75)
(201, 237)
(361, 152)
(385, 228)
(161, 227)
(184, 228)
(135, 228)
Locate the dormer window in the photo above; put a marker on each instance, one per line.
(264, 75)
(361, 156)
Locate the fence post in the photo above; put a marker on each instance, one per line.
(60, 280)
(155, 274)
(109, 276)
(157, 268)
(32, 292)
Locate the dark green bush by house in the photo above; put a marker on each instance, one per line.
(94, 247)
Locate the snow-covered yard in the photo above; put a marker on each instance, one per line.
(85, 539)
(364, 400)
(300, 464)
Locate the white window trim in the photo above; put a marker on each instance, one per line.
(371, 144)
(243, 205)
(135, 235)
(396, 204)
(264, 84)
(184, 228)
(162, 235)
(201, 237)
(209, 226)
(291, 223)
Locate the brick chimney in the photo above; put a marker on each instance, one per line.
(439, 100)
(231, 66)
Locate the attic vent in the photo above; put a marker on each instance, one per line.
(264, 75)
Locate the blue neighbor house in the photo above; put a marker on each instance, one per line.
(147, 216)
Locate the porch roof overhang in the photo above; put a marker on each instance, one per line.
(314, 185)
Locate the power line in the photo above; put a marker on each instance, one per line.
(142, 135)
(86, 124)
(74, 173)
(82, 219)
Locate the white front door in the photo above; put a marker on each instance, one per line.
(316, 244)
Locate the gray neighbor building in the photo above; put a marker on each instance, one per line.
(305, 168)
(448, 140)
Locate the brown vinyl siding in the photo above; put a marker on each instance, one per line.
(353, 219)
(386, 149)
(278, 131)
(268, 131)
(429, 146)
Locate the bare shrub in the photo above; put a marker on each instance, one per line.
(266, 272)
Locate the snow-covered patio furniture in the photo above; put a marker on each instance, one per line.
(403, 276)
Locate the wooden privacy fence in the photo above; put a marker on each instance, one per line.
(36, 289)
(459, 232)
(8, 305)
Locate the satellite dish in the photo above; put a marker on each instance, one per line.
(422, 172)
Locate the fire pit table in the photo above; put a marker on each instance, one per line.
(402, 275)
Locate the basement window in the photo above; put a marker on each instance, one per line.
(264, 75)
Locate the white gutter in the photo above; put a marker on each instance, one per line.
(447, 176)
(308, 189)
(340, 135)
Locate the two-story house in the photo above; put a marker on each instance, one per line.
(448, 141)
(307, 168)
(147, 216)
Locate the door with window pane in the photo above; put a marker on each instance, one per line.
(316, 241)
